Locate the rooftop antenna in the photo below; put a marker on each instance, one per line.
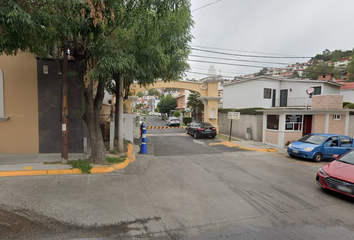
(309, 92)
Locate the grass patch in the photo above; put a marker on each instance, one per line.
(116, 160)
(226, 138)
(83, 165)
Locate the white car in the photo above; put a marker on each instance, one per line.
(172, 121)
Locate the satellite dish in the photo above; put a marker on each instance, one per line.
(310, 90)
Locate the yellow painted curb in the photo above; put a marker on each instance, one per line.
(230, 144)
(130, 158)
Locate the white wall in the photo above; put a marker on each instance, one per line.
(348, 95)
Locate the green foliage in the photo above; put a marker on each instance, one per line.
(83, 165)
(187, 120)
(183, 111)
(140, 94)
(320, 69)
(349, 105)
(261, 72)
(126, 141)
(176, 114)
(295, 74)
(167, 104)
(243, 111)
(193, 102)
(346, 103)
(116, 160)
(153, 92)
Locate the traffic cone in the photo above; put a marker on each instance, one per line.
(143, 148)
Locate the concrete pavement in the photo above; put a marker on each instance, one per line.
(49, 164)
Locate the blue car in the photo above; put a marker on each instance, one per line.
(318, 146)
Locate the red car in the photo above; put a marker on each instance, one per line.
(338, 175)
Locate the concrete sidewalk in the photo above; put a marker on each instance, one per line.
(49, 164)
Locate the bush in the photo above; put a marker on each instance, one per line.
(243, 111)
(187, 120)
(176, 114)
(346, 103)
(349, 105)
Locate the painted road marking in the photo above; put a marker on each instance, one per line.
(27, 168)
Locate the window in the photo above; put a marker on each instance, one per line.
(267, 93)
(317, 91)
(293, 122)
(273, 122)
(336, 117)
(181, 101)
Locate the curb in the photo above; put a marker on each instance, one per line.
(158, 127)
(230, 144)
(130, 158)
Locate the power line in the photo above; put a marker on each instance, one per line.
(234, 50)
(229, 59)
(206, 5)
(206, 74)
(242, 55)
(231, 64)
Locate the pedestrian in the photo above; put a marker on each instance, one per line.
(141, 129)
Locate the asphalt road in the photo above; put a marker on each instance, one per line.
(184, 188)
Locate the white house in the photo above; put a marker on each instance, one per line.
(348, 92)
(268, 92)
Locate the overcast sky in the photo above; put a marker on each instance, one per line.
(265, 28)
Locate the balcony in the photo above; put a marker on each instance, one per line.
(292, 102)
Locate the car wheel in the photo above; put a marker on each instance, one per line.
(195, 135)
(187, 131)
(317, 157)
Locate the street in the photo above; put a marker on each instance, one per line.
(184, 188)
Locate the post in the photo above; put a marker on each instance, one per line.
(120, 114)
(64, 113)
(111, 133)
(143, 148)
(230, 130)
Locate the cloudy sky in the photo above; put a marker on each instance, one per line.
(227, 29)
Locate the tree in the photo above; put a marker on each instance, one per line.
(319, 69)
(176, 114)
(350, 69)
(195, 104)
(167, 104)
(261, 72)
(153, 92)
(140, 94)
(296, 74)
(110, 42)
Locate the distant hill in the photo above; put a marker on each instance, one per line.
(333, 56)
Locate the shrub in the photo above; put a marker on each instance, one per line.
(346, 103)
(349, 105)
(176, 114)
(243, 111)
(187, 120)
(83, 165)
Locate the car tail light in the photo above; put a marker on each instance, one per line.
(213, 128)
(200, 129)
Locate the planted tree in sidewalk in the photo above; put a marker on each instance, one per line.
(140, 40)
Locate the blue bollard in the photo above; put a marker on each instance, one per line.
(143, 148)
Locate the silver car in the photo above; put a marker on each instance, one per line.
(172, 121)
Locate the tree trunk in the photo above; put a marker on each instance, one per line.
(92, 118)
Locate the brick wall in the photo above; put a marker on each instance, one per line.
(327, 102)
(319, 123)
(271, 137)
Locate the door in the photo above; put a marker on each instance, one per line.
(273, 97)
(283, 98)
(307, 127)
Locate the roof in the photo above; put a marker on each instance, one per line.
(264, 77)
(347, 85)
(343, 59)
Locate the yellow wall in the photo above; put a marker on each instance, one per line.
(271, 137)
(336, 126)
(19, 134)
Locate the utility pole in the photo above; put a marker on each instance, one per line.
(64, 114)
(120, 113)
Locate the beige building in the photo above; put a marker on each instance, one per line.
(325, 116)
(18, 104)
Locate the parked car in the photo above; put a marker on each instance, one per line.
(172, 121)
(318, 146)
(338, 175)
(201, 129)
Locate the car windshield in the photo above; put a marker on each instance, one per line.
(174, 118)
(313, 139)
(348, 158)
(205, 124)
